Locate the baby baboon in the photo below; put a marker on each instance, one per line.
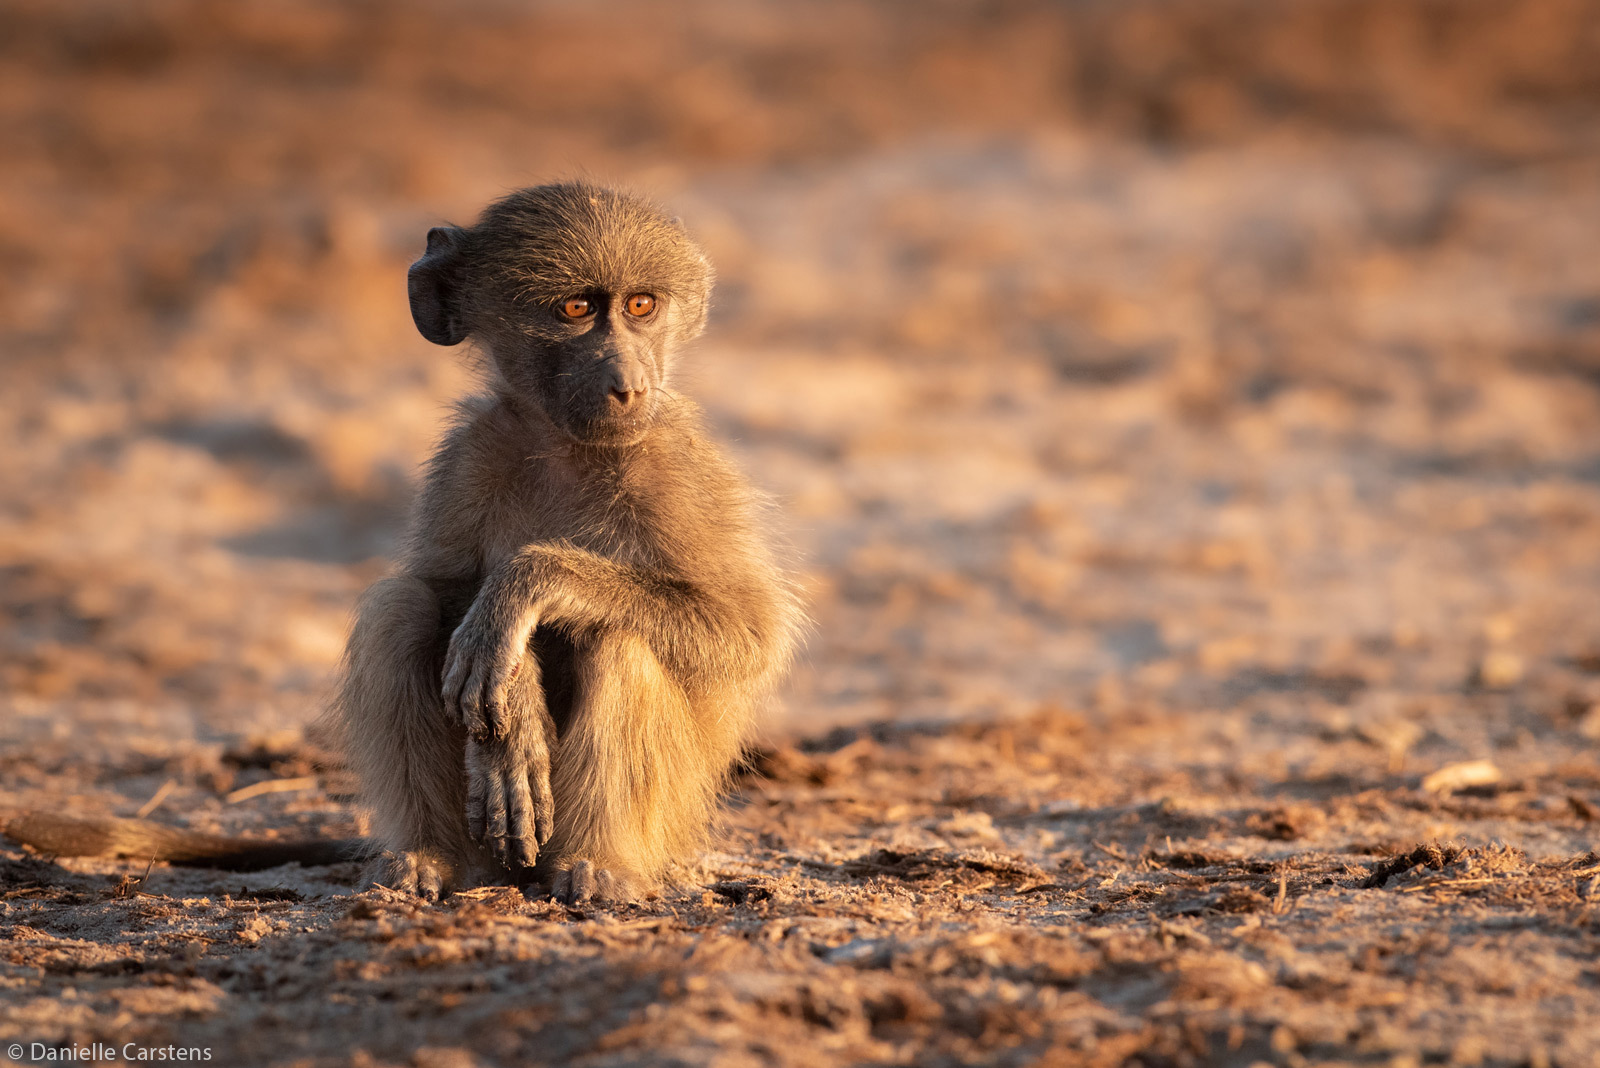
(586, 614)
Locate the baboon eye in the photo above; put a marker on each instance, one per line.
(641, 304)
(576, 308)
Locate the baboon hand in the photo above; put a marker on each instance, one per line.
(510, 809)
(483, 659)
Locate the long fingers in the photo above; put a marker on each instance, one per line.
(497, 673)
(472, 706)
(522, 849)
(463, 686)
(476, 686)
(455, 680)
(501, 813)
(544, 801)
(494, 814)
(477, 793)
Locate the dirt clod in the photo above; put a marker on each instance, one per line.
(1431, 855)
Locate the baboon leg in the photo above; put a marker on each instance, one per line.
(405, 750)
(635, 774)
(510, 811)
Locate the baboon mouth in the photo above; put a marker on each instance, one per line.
(614, 432)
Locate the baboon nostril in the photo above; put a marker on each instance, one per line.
(627, 398)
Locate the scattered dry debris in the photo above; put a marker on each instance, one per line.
(1431, 855)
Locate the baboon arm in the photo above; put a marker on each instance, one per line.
(698, 633)
(693, 628)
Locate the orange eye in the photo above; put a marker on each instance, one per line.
(576, 308)
(641, 304)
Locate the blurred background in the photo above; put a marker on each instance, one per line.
(1220, 355)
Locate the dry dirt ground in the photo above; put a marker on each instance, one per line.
(1186, 414)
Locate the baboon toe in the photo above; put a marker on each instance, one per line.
(586, 883)
(414, 872)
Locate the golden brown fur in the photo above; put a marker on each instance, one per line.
(585, 573)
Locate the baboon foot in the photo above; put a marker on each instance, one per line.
(584, 883)
(414, 872)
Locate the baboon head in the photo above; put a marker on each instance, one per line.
(581, 296)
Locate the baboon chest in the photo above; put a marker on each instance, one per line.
(602, 512)
(595, 515)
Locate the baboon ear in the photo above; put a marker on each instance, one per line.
(697, 306)
(434, 285)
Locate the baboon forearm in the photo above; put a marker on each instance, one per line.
(695, 633)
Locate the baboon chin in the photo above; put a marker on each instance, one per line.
(587, 615)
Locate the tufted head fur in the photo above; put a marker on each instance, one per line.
(505, 280)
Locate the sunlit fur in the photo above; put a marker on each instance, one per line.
(639, 553)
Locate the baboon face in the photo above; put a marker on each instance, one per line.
(581, 296)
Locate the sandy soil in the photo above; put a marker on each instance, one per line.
(1186, 416)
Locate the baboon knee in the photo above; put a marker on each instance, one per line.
(408, 756)
(634, 776)
(398, 615)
